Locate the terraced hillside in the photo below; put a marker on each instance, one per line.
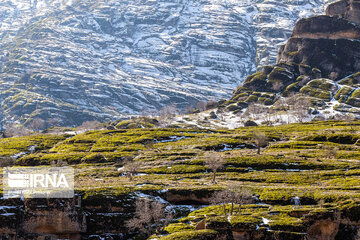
(304, 184)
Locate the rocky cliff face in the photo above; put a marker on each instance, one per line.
(329, 43)
(320, 60)
(92, 218)
(347, 9)
(81, 60)
(103, 217)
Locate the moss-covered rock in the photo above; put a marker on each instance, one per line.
(319, 88)
(194, 235)
(257, 81)
(281, 75)
(343, 94)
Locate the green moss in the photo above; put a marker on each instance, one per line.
(351, 81)
(245, 221)
(259, 76)
(342, 138)
(355, 102)
(356, 94)
(251, 98)
(233, 108)
(11, 146)
(70, 158)
(351, 210)
(292, 53)
(284, 222)
(316, 92)
(196, 235)
(294, 87)
(94, 158)
(281, 75)
(178, 227)
(295, 164)
(322, 84)
(176, 169)
(343, 94)
(255, 81)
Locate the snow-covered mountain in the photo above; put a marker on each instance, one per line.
(83, 59)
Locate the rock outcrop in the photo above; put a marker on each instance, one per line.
(320, 60)
(327, 225)
(347, 9)
(103, 217)
(92, 218)
(330, 43)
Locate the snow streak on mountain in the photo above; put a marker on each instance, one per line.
(85, 59)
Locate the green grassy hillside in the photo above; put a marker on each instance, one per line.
(315, 164)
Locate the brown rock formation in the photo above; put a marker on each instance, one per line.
(347, 9)
(330, 43)
(326, 27)
(60, 218)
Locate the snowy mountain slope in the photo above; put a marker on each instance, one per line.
(78, 60)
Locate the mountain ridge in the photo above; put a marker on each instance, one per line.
(88, 60)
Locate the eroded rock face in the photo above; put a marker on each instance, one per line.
(188, 197)
(329, 226)
(62, 218)
(326, 27)
(73, 219)
(348, 9)
(328, 42)
(340, 56)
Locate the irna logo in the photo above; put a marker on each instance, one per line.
(39, 182)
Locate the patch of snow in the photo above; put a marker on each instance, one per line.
(266, 221)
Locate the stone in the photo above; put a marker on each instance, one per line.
(201, 225)
(327, 43)
(348, 9)
(328, 27)
(250, 124)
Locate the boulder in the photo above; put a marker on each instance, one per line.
(250, 124)
(329, 27)
(348, 9)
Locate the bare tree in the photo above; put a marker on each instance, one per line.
(281, 105)
(253, 110)
(37, 124)
(189, 110)
(331, 152)
(304, 81)
(7, 161)
(53, 122)
(260, 140)
(349, 118)
(234, 196)
(14, 130)
(300, 107)
(167, 114)
(90, 125)
(211, 104)
(243, 196)
(214, 161)
(150, 217)
(131, 167)
(201, 105)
